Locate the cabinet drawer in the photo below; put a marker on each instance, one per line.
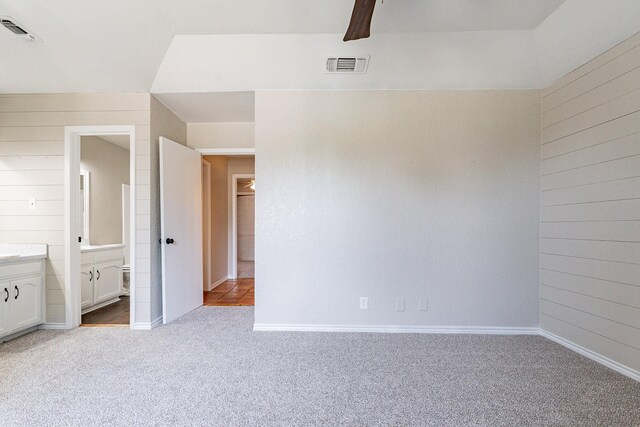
(110, 255)
(21, 269)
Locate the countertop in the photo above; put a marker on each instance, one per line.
(93, 248)
(20, 252)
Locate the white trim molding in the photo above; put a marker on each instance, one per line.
(226, 151)
(233, 273)
(212, 286)
(611, 364)
(72, 136)
(484, 330)
(53, 326)
(145, 326)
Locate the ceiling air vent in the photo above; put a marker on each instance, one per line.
(17, 29)
(346, 64)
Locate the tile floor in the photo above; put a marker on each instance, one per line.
(238, 292)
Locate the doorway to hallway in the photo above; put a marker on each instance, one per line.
(239, 292)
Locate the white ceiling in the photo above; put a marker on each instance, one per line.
(332, 16)
(117, 45)
(185, 49)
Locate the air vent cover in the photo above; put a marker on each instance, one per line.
(347, 64)
(17, 29)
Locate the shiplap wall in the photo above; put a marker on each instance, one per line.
(32, 165)
(590, 213)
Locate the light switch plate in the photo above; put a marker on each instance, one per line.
(423, 304)
(400, 304)
(364, 303)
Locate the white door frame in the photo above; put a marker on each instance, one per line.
(233, 274)
(72, 136)
(226, 151)
(206, 203)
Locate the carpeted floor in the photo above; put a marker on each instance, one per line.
(209, 368)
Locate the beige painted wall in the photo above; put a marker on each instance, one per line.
(221, 135)
(590, 231)
(163, 123)
(397, 194)
(32, 165)
(108, 166)
(219, 217)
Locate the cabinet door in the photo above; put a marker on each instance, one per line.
(5, 304)
(86, 285)
(26, 302)
(108, 281)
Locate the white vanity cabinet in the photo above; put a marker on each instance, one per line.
(100, 276)
(21, 297)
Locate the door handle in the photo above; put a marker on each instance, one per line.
(17, 292)
(91, 275)
(6, 292)
(169, 241)
(98, 273)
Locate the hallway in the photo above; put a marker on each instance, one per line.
(238, 292)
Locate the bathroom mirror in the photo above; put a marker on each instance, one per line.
(84, 205)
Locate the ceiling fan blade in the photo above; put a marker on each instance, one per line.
(360, 24)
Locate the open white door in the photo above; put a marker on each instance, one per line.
(181, 225)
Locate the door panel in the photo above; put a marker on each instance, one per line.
(108, 281)
(26, 302)
(181, 224)
(5, 294)
(86, 285)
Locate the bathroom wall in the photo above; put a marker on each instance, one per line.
(108, 166)
(32, 166)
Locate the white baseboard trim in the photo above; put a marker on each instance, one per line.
(156, 322)
(486, 330)
(19, 334)
(215, 284)
(53, 326)
(603, 360)
(147, 326)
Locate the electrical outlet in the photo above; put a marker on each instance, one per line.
(399, 304)
(32, 203)
(364, 303)
(423, 304)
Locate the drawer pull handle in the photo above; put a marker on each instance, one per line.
(17, 292)
(7, 292)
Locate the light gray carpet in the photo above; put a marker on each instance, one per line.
(209, 368)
